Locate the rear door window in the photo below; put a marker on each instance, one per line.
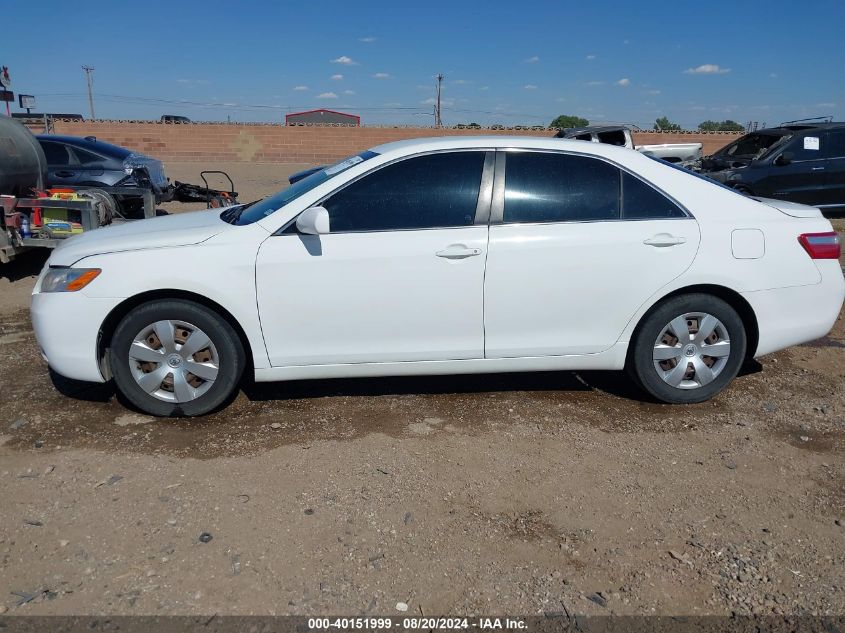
(835, 144)
(641, 201)
(550, 187)
(85, 157)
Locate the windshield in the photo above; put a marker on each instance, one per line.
(755, 145)
(260, 209)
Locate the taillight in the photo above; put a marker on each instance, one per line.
(822, 245)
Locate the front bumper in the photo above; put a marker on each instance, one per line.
(67, 325)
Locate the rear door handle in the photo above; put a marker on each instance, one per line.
(458, 251)
(662, 240)
(818, 168)
(64, 174)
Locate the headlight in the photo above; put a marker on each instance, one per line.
(68, 279)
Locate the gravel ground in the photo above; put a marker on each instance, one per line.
(511, 493)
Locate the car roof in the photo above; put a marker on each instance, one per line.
(411, 146)
(90, 143)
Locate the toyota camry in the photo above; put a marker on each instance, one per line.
(445, 256)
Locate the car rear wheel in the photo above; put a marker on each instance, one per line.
(688, 349)
(176, 358)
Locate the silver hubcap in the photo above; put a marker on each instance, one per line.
(174, 361)
(691, 350)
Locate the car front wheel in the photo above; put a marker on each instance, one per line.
(688, 349)
(176, 358)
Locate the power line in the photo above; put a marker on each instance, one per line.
(114, 98)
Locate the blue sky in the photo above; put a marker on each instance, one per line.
(504, 62)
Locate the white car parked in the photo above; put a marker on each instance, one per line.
(445, 256)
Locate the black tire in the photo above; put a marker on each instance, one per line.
(641, 363)
(230, 352)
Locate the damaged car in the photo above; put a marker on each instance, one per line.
(803, 163)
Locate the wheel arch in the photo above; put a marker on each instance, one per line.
(117, 313)
(729, 296)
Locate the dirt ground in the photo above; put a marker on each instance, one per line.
(513, 493)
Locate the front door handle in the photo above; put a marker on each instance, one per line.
(64, 174)
(458, 251)
(662, 240)
(818, 168)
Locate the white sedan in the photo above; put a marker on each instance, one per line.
(445, 256)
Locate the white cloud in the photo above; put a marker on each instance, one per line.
(707, 69)
(193, 81)
(595, 83)
(327, 95)
(392, 104)
(591, 57)
(653, 92)
(532, 60)
(300, 88)
(349, 92)
(460, 82)
(367, 40)
(773, 75)
(529, 87)
(826, 105)
(346, 61)
(624, 82)
(484, 88)
(626, 41)
(336, 77)
(381, 76)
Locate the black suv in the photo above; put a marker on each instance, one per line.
(800, 163)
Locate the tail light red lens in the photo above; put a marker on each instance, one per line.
(822, 245)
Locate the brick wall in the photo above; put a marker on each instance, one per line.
(211, 142)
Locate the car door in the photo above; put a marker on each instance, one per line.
(576, 247)
(835, 169)
(802, 179)
(399, 277)
(61, 164)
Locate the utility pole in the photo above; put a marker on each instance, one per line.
(88, 70)
(438, 120)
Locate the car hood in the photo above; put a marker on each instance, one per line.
(791, 208)
(181, 229)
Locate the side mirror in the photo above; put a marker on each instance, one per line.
(784, 159)
(313, 221)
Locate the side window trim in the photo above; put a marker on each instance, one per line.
(497, 210)
(482, 210)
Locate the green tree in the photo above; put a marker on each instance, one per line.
(721, 126)
(663, 124)
(568, 120)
